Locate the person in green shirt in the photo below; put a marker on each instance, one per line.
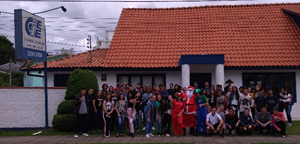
(201, 102)
(159, 108)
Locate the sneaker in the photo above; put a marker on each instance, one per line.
(75, 135)
(143, 128)
(283, 136)
(137, 129)
(153, 128)
(151, 134)
(289, 124)
(147, 135)
(85, 134)
(167, 135)
(107, 136)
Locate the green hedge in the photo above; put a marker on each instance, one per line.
(64, 122)
(81, 79)
(65, 107)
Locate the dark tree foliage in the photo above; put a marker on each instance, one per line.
(6, 50)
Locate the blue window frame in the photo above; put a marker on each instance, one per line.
(61, 80)
(276, 81)
(143, 79)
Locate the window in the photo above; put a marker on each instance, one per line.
(275, 81)
(144, 79)
(61, 80)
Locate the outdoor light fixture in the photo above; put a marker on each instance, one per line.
(61, 7)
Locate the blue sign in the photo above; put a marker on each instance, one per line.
(30, 36)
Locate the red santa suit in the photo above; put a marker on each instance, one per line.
(188, 115)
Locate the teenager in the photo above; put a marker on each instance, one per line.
(260, 101)
(212, 87)
(214, 122)
(111, 89)
(288, 105)
(271, 101)
(212, 98)
(281, 103)
(114, 98)
(108, 108)
(222, 114)
(121, 112)
(149, 116)
(154, 90)
(167, 117)
(146, 96)
(139, 110)
(245, 101)
(278, 122)
(97, 104)
(171, 91)
(220, 98)
(201, 102)
(159, 109)
(264, 121)
(206, 87)
(230, 121)
(233, 100)
(131, 112)
(245, 123)
(253, 96)
(178, 106)
(164, 93)
(228, 82)
(81, 108)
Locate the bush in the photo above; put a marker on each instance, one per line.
(81, 79)
(64, 122)
(65, 107)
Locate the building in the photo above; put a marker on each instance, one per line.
(104, 43)
(250, 44)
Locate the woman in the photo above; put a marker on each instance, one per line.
(212, 87)
(111, 89)
(97, 104)
(108, 108)
(104, 90)
(220, 98)
(233, 100)
(121, 111)
(159, 108)
(139, 110)
(131, 112)
(176, 88)
(256, 91)
(179, 89)
(114, 98)
(231, 120)
(289, 103)
(281, 103)
(178, 107)
(212, 98)
(184, 90)
(167, 117)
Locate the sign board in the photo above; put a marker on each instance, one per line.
(30, 36)
(103, 77)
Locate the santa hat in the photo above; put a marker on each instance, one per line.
(191, 88)
(116, 88)
(178, 94)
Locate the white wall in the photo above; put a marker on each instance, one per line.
(25, 107)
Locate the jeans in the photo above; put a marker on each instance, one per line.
(130, 112)
(121, 120)
(138, 119)
(81, 121)
(260, 128)
(281, 126)
(288, 110)
(148, 125)
(160, 127)
(96, 121)
(107, 124)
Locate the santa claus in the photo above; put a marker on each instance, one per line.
(190, 111)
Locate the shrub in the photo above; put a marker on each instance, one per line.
(64, 122)
(81, 79)
(65, 107)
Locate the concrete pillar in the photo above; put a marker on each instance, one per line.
(220, 74)
(185, 71)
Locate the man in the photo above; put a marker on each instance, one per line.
(137, 88)
(214, 122)
(160, 86)
(195, 85)
(228, 82)
(260, 101)
(272, 102)
(171, 91)
(219, 88)
(81, 108)
(122, 87)
(245, 101)
(245, 123)
(149, 115)
(145, 98)
(263, 121)
(278, 122)
(201, 101)
(90, 97)
(207, 88)
(190, 111)
(154, 89)
(126, 91)
(164, 93)
(241, 90)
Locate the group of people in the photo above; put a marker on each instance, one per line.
(206, 111)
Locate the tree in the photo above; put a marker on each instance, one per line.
(6, 50)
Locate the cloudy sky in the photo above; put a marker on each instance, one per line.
(70, 29)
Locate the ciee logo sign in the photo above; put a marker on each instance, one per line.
(33, 27)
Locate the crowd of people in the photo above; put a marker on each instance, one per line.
(206, 111)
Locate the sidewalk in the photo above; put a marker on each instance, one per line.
(142, 139)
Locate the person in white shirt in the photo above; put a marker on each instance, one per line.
(214, 122)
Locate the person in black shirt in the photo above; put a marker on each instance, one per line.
(139, 111)
(171, 91)
(245, 123)
(97, 104)
(260, 101)
(271, 101)
(212, 98)
(231, 120)
(228, 82)
(90, 97)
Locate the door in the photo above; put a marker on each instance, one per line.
(201, 78)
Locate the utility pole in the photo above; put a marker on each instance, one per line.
(10, 60)
(89, 45)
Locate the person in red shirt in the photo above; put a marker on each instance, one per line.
(278, 122)
(190, 111)
(177, 107)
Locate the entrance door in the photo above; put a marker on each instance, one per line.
(201, 78)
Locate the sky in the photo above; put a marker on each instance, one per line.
(70, 29)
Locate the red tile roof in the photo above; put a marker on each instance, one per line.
(80, 60)
(248, 35)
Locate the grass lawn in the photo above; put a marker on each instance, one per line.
(293, 130)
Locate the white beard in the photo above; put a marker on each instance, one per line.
(189, 94)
